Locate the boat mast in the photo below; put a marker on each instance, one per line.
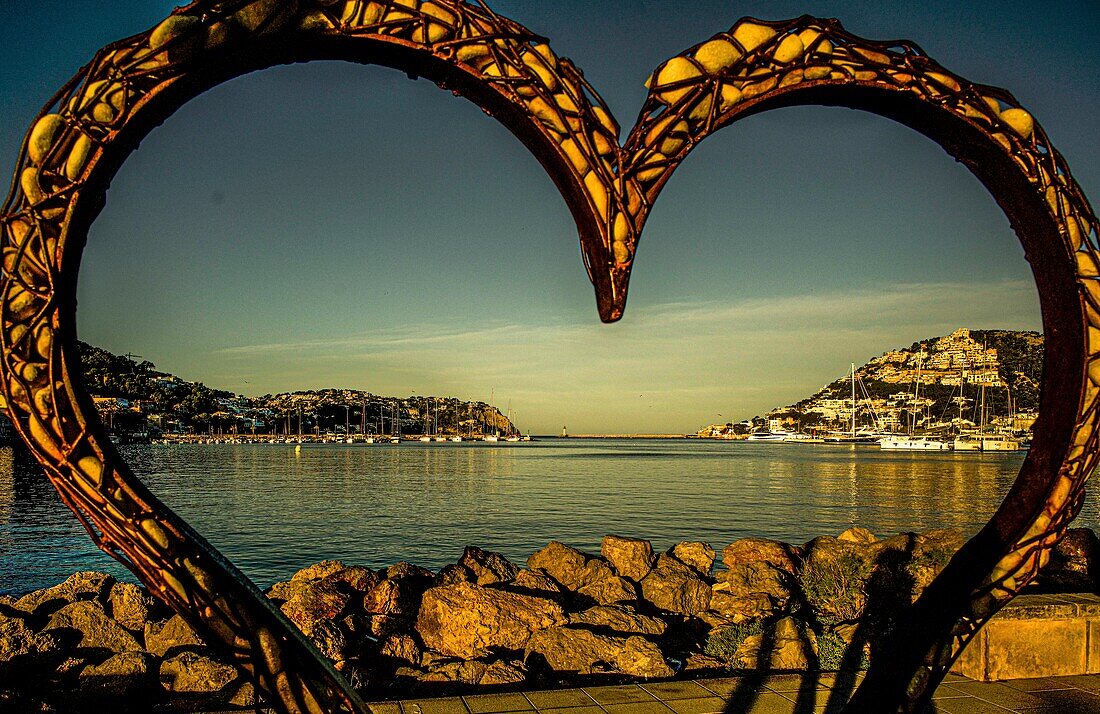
(916, 394)
(853, 400)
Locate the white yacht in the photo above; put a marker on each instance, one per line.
(767, 436)
(985, 442)
(912, 443)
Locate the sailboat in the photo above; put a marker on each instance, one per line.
(853, 437)
(495, 436)
(395, 423)
(982, 441)
(910, 442)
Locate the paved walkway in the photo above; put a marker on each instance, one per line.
(781, 694)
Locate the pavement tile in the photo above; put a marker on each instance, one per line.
(951, 677)
(723, 686)
(1088, 682)
(764, 703)
(384, 707)
(1069, 701)
(806, 699)
(998, 693)
(651, 707)
(443, 705)
(676, 690)
(699, 705)
(485, 703)
(948, 691)
(793, 682)
(559, 699)
(968, 705)
(831, 679)
(1038, 684)
(574, 710)
(626, 694)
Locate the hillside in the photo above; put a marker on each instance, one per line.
(956, 372)
(135, 397)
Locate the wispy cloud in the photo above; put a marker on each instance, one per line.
(669, 366)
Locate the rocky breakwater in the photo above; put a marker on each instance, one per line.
(486, 623)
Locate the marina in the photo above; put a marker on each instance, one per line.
(509, 497)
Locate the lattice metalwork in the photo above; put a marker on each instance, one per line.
(85, 132)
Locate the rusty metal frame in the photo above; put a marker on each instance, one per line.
(82, 136)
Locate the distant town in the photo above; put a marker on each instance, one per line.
(140, 403)
(943, 386)
(984, 380)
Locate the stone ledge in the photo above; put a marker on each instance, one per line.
(1036, 636)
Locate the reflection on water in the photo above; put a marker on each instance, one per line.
(272, 511)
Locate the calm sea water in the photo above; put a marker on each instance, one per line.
(273, 512)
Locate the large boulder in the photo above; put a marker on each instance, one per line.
(463, 619)
(172, 634)
(356, 577)
(398, 597)
(405, 569)
(748, 580)
(401, 647)
(317, 602)
(453, 573)
(1074, 563)
(19, 641)
(535, 582)
(488, 567)
(631, 557)
(563, 563)
(857, 535)
(569, 649)
(317, 571)
(78, 586)
(94, 629)
(122, 675)
(462, 672)
(619, 620)
(192, 673)
(282, 591)
(697, 555)
(605, 588)
(674, 587)
(754, 550)
(745, 607)
(130, 606)
(503, 672)
(333, 641)
(788, 645)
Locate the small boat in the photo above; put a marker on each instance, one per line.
(426, 439)
(456, 439)
(490, 437)
(513, 438)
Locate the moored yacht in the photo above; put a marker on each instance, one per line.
(912, 443)
(767, 436)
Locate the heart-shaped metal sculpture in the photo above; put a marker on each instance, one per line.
(85, 132)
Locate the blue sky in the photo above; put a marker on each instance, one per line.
(332, 224)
